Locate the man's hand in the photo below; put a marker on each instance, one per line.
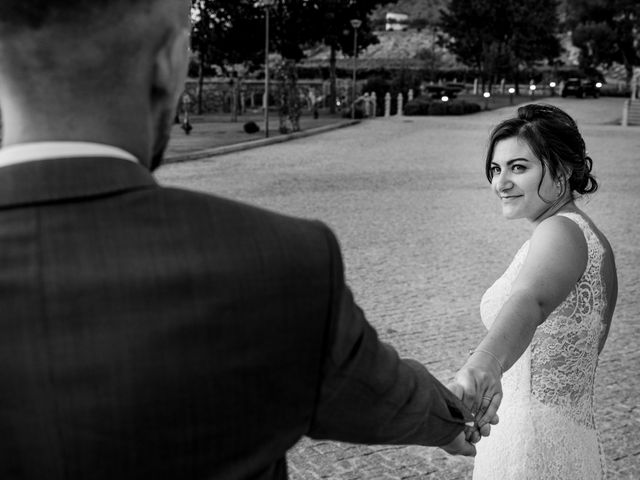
(463, 443)
(460, 446)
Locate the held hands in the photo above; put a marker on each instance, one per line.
(464, 443)
(478, 385)
(479, 380)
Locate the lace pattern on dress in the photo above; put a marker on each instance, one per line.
(565, 347)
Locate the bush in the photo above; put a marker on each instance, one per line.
(251, 127)
(417, 106)
(359, 110)
(425, 106)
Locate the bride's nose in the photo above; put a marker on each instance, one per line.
(502, 182)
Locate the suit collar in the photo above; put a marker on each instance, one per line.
(65, 179)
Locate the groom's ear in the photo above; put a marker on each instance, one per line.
(170, 65)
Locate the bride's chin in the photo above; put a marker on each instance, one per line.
(509, 215)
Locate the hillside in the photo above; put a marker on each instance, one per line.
(410, 49)
(416, 47)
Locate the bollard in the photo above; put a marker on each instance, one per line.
(374, 101)
(410, 95)
(399, 104)
(475, 86)
(367, 105)
(387, 105)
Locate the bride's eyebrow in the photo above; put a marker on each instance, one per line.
(513, 160)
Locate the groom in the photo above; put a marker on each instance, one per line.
(151, 332)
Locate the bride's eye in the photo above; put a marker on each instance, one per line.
(518, 168)
(495, 170)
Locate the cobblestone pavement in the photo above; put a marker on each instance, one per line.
(423, 237)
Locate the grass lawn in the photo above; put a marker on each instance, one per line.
(217, 130)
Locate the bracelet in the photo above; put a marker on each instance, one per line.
(479, 350)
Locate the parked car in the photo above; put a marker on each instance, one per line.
(581, 87)
(450, 90)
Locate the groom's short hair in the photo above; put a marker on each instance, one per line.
(19, 15)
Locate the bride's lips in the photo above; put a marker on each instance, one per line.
(508, 198)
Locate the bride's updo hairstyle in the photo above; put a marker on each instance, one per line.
(553, 137)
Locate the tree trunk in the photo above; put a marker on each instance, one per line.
(332, 80)
(200, 85)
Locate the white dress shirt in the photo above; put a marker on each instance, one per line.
(31, 152)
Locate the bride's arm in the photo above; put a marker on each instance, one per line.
(556, 260)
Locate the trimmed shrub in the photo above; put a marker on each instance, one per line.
(417, 106)
(359, 110)
(251, 127)
(425, 106)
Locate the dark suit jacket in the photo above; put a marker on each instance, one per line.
(152, 333)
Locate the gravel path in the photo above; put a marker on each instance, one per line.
(423, 237)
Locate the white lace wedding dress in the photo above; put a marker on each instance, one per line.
(547, 428)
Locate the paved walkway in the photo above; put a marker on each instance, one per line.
(423, 237)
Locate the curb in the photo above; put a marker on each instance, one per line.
(238, 147)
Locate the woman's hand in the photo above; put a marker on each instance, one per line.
(473, 433)
(479, 379)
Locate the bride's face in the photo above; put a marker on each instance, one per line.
(524, 188)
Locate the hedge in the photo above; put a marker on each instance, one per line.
(427, 106)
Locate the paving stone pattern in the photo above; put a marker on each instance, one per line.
(422, 238)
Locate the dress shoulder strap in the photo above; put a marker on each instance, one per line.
(594, 245)
(577, 218)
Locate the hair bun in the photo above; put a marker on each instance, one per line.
(581, 180)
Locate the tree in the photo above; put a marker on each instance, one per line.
(340, 32)
(220, 30)
(597, 43)
(218, 37)
(303, 23)
(498, 37)
(606, 31)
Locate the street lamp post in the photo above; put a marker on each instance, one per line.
(265, 101)
(355, 23)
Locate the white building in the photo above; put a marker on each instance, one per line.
(397, 21)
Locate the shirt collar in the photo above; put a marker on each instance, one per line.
(30, 152)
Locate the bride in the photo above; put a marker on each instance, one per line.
(549, 314)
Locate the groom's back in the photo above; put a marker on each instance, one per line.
(140, 342)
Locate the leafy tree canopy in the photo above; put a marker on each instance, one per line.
(606, 31)
(498, 36)
(232, 31)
